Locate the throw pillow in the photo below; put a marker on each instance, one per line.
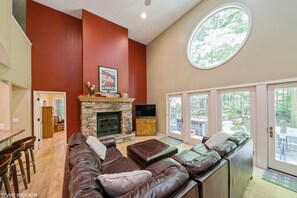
(216, 139)
(97, 146)
(119, 184)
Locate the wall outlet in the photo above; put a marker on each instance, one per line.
(16, 120)
(1, 125)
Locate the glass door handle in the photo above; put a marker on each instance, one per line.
(271, 131)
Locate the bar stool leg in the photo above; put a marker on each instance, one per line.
(28, 166)
(14, 178)
(6, 185)
(23, 173)
(33, 160)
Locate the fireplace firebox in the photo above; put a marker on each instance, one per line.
(108, 123)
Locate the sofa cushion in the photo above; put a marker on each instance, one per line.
(97, 146)
(196, 163)
(224, 148)
(76, 138)
(120, 183)
(162, 165)
(165, 181)
(112, 154)
(83, 170)
(216, 139)
(83, 154)
(83, 182)
(238, 137)
(200, 148)
(119, 165)
(88, 193)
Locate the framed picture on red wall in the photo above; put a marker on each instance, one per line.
(108, 79)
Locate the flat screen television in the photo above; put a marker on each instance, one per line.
(145, 110)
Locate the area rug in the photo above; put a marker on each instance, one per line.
(280, 179)
(171, 141)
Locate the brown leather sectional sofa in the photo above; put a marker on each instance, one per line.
(225, 174)
(82, 167)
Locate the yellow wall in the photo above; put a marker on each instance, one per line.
(5, 105)
(18, 77)
(20, 111)
(49, 98)
(269, 53)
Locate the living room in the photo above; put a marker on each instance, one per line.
(61, 53)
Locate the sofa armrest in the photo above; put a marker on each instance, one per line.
(205, 138)
(109, 142)
(216, 176)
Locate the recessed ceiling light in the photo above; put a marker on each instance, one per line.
(143, 15)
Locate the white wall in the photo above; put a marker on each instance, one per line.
(269, 54)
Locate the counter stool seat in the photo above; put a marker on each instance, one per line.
(29, 146)
(16, 150)
(5, 161)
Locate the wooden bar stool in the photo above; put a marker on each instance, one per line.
(29, 146)
(16, 151)
(5, 161)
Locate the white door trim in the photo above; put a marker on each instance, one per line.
(37, 128)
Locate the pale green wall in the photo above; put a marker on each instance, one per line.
(269, 54)
(18, 76)
(18, 47)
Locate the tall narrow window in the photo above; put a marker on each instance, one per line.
(198, 115)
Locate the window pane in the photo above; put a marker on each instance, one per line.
(199, 115)
(219, 37)
(286, 124)
(59, 107)
(175, 114)
(236, 112)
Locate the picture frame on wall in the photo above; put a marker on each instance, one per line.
(107, 79)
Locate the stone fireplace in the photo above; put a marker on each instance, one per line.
(106, 111)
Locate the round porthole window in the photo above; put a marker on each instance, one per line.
(219, 36)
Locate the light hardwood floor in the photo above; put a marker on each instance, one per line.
(48, 181)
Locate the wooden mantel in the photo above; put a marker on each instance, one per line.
(103, 99)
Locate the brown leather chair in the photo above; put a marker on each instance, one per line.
(16, 151)
(29, 146)
(5, 161)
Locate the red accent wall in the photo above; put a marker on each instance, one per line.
(137, 74)
(104, 44)
(56, 56)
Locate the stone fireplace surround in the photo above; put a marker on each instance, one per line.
(90, 106)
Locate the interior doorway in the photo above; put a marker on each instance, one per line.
(54, 120)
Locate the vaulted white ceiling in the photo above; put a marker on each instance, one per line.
(160, 14)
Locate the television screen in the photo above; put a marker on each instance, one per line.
(145, 110)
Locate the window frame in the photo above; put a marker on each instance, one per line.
(190, 139)
(207, 16)
(252, 91)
